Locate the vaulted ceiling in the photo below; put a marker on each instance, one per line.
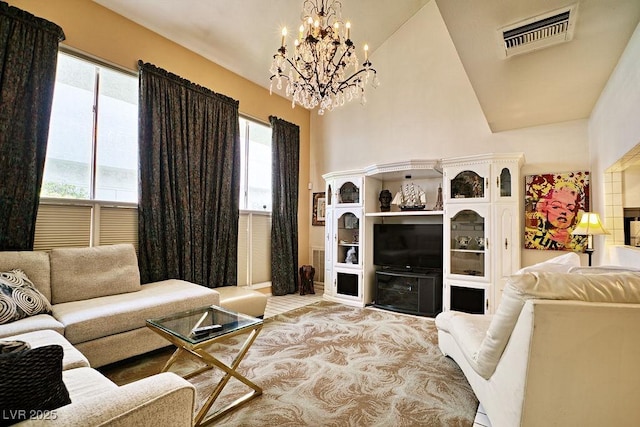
(550, 85)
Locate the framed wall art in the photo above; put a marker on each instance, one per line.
(554, 203)
(319, 208)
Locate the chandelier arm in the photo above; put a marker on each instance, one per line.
(348, 82)
(344, 53)
(335, 66)
(331, 11)
(313, 8)
(294, 68)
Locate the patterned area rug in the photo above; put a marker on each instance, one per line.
(328, 364)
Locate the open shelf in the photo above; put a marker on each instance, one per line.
(406, 213)
(471, 251)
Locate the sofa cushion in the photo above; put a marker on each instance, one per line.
(623, 287)
(468, 330)
(19, 298)
(32, 381)
(560, 264)
(602, 269)
(82, 273)
(85, 383)
(35, 264)
(100, 317)
(71, 359)
(29, 324)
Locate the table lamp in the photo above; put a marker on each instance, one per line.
(589, 226)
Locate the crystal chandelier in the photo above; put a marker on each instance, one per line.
(323, 70)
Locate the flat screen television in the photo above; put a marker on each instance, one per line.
(408, 246)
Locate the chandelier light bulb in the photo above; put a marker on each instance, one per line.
(322, 68)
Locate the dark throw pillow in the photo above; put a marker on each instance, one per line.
(19, 298)
(31, 383)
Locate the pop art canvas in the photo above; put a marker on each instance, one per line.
(554, 204)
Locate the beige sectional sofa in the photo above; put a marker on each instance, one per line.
(561, 350)
(162, 399)
(97, 301)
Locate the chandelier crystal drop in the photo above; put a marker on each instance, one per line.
(322, 71)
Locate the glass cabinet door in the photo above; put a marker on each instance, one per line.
(468, 244)
(505, 182)
(347, 238)
(348, 191)
(465, 184)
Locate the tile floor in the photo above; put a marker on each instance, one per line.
(280, 304)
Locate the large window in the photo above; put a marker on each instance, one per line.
(93, 137)
(90, 185)
(254, 230)
(255, 178)
(89, 192)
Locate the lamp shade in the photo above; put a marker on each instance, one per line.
(589, 225)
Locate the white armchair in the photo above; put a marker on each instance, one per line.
(563, 349)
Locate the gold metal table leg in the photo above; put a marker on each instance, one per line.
(230, 371)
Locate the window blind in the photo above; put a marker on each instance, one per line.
(62, 226)
(118, 225)
(260, 249)
(243, 254)
(254, 248)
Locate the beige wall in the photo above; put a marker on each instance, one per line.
(97, 31)
(426, 108)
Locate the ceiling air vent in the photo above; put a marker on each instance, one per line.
(535, 33)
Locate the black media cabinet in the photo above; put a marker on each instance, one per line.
(409, 292)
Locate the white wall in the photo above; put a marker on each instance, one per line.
(614, 126)
(426, 108)
(614, 129)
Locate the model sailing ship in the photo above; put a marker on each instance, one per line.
(410, 198)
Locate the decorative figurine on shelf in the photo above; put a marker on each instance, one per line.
(439, 204)
(410, 198)
(480, 242)
(463, 242)
(351, 258)
(385, 200)
(477, 187)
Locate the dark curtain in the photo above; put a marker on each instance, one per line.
(285, 145)
(28, 57)
(189, 181)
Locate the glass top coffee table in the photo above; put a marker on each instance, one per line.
(192, 331)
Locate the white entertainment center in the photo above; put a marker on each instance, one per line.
(482, 201)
